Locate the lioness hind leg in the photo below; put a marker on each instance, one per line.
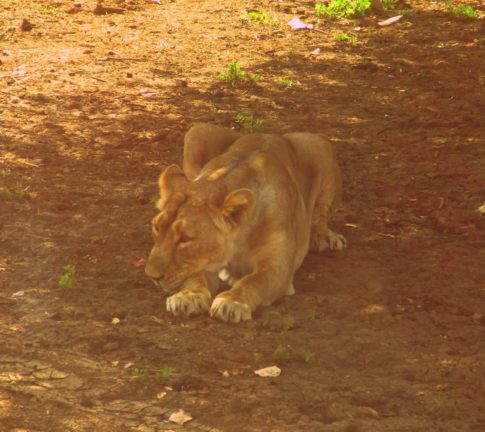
(204, 142)
(325, 239)
(195, 297)
(322, 237)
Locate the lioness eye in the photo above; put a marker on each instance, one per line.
(184, 238)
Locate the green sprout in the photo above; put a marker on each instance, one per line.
(67, 280)
(281, 353)
(345, 38)
(234, 73)
(463, 11)
(249, 122)
(164, 374)
(388, 4)
(289, 323)
(258, 17)
(284, 82)
(154, 200)
(308, 356)
(49, 10)
(336, 9)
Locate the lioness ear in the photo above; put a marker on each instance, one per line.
(170, 176)
(169, 182)
(236, 208)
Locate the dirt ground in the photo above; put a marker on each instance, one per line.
(388, 335)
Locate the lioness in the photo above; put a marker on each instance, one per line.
(245, 209)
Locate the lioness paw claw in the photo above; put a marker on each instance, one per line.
(328, 241)
(336, 241)
(230, 310)
(188, 303)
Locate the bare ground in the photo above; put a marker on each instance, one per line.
(386, 336)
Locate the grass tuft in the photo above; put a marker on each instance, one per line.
(67, 280)
(234, 73)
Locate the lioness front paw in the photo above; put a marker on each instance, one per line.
(230, 310)
(188, 303)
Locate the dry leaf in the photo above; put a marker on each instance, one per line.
(351, 225)
(268, 372)
(180, 417)
(390, 21)
(138, 262)
(481, 209)
(298, 24)
(115, 320)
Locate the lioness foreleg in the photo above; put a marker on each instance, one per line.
(195, 296)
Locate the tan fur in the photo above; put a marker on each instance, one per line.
(245, 207)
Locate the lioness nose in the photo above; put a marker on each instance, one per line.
(152, 272)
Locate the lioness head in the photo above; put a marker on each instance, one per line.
(195, 229)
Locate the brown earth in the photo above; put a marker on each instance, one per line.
(387, 336)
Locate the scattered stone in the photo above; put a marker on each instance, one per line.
(26, 25)
(268, 372)
(58, 374)
(75, 8)
(390, 21)
(104, 10)
(180, 417)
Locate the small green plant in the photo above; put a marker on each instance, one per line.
(164, 374)
(284, 82)
(281, 353)
(258, 17)
(234, 73)
(49, 10)
(388, 4)
(154, 200)
(463, 11)
(346, 38)
(158, 375)
(342, 8)
(249, 122)
(308, 356)
(140, 373)
(289, 323)
(67, 280)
